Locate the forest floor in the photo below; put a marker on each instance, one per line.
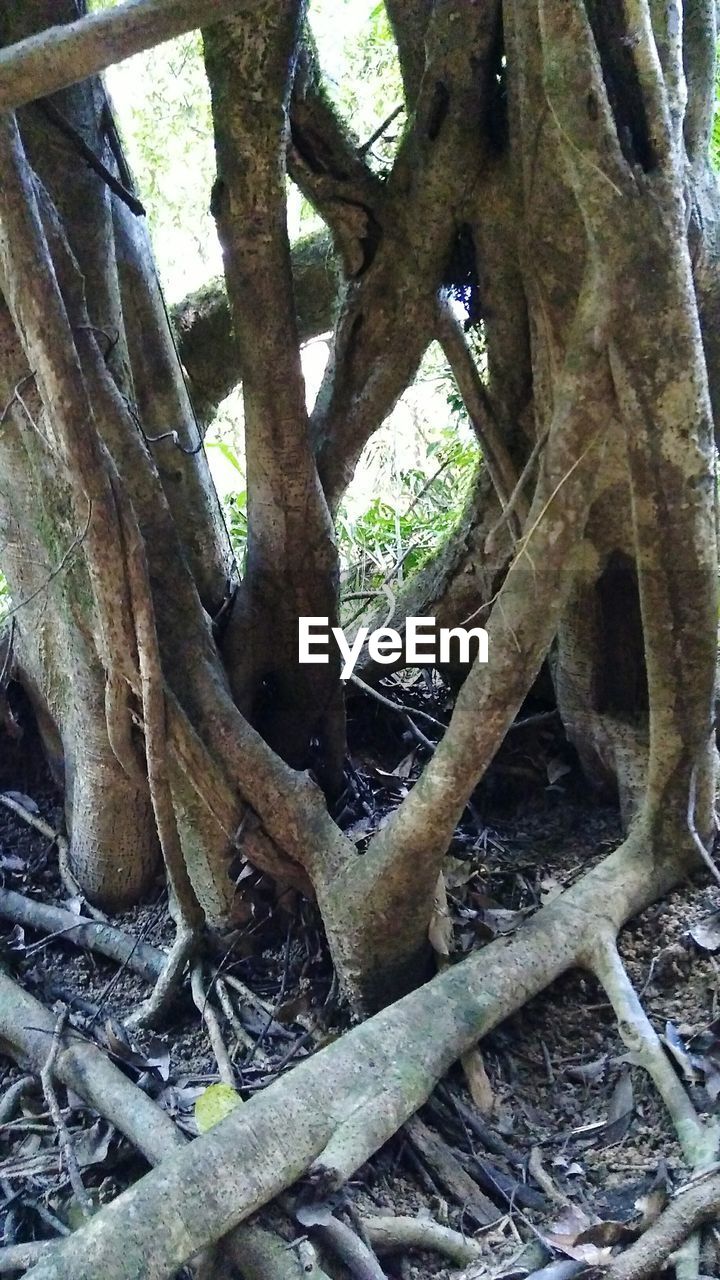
(548, 1145)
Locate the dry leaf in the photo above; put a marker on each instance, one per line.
(440, 930)
(706, 933)
(478, 1083)
(557, 769)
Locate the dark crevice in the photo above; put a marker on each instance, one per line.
(614, 45)
(496, 123)
(438, 110)
(461, 277)
(370, 242)
(621, 689)
(316, 154)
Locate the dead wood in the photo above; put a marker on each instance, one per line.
(447, 1170)
(29, 1034)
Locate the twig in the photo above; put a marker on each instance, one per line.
(242, 1036)
(396, 706)
(19, 387)
(475, 398)
(58, 839)
(66, 1144)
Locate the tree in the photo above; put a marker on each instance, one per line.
(555, 156)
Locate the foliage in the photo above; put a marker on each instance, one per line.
(390, 540)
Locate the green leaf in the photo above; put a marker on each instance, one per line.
(227, 452)
(214, 1105)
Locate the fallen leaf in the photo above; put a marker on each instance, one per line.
(91, 1146)
(440, 929)
(313, 1215)
(557, 769)
(404, 768)
(478, 1083)
(706, 933)
(457, 872)
(674, 1043)
(606, 1234)
(620, 1110)
(214, 1104)
(550, 888)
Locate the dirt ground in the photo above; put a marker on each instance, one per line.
(564, 1138)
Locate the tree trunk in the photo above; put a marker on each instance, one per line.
(595, 425)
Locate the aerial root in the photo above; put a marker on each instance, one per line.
(698, 1138)
(154, 1011)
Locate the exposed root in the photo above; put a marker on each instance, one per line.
(698, 1138)
(26, 1030)
(12, 1096)
(384, 1068)
(202, 1003)
(694, 1204)
(346, 1244)
(18, 1257)
(142, 958)
(66, 1143)
(154, 1011)
(243, 1037)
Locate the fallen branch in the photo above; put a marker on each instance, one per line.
(450, 1174)
(63, 55)
(339, 1106)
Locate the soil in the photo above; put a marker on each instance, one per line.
(572, 1138)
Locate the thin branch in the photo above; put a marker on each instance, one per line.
(469, 383)
(58, 119)
(363, 150)
(396, 706)
(63, 55)
(516, 495)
